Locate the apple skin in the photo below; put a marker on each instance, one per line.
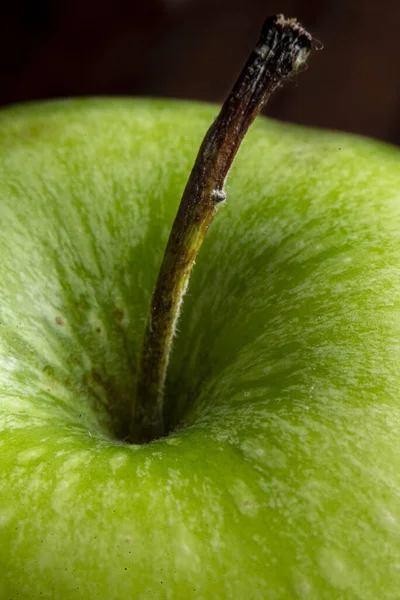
(281, 478)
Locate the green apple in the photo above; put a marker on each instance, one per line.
(280, 475)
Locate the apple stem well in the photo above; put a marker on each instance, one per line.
(281, 51)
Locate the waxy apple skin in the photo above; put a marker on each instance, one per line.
(282, 479)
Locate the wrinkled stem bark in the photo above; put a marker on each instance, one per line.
(281, 51)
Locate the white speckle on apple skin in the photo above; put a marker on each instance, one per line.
(117, 461)
(390, 520)
(76, 461)
(7, 515)
(302, 586)
(64, 493)
(340, 571)
(257, 449)
(244, 500)
(173, 441)
(31, 454)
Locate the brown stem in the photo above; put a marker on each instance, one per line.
(281, 51)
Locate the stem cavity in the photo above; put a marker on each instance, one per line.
(281, 51)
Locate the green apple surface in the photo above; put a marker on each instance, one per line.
(280, 477)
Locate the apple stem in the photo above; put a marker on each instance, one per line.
(281, 51)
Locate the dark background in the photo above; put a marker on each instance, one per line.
(195, 48)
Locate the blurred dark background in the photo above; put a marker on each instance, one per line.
(195, 48)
